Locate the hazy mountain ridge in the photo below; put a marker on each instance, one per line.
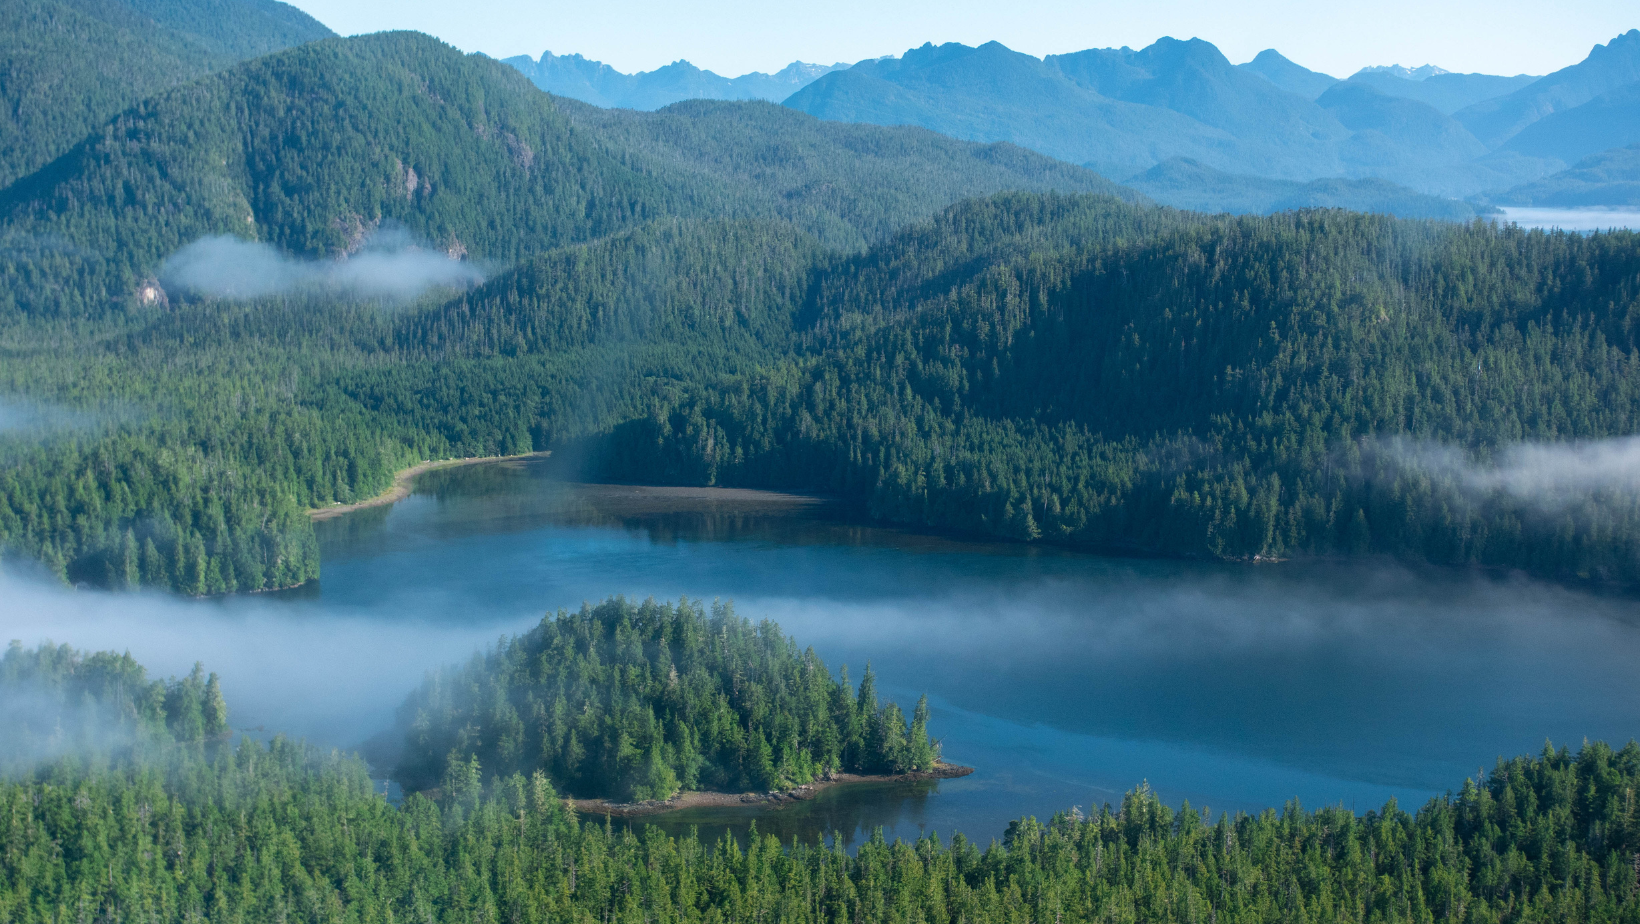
(1609, 178)
(1101, 107)
(463, 154)
(1272, 66)
(1123, 111)
(1607, 67)
(1185, 184)
(1446, 91)
(601, 85)
(1610, 120)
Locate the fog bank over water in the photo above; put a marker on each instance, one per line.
(1065, 678)
(1582, 219)
(331, 674)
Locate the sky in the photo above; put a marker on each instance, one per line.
(733, 37)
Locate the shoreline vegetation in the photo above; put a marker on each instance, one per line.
(403, 478)
(635, 703)
(774, 800)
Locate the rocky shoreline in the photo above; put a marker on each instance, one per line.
(777, 799)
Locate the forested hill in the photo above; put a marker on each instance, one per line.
(310, 150)
(58, 701)
(848, 184)
(1082, 370)
(190, 829)
(313, 148)
(635, 701)
(1032, 366)
(734, 293)
(70, 65)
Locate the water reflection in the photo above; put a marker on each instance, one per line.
(1065, 678)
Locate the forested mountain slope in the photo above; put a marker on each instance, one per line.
(310, 150)
(737, 284)
(463, 153)
(235, 417)
(67, 66)
(849, 185)
(1229, 387)
(1033, 367)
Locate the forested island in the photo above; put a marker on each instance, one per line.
(251, 270)
(182, 823)
(634, 702)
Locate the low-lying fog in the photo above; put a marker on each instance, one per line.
(1575, 219)
(388, 265)
(1066, 678)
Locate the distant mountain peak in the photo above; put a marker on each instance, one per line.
(597, 83)
(1273, 66)
(1423, 72)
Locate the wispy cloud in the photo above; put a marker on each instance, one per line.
(1549, 476)
(389, 266)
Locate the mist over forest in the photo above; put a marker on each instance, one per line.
(957, 485)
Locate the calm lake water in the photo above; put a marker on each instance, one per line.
(1064, 678)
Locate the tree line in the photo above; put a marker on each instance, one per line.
(201, 829)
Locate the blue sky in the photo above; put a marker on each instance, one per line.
(735, 36)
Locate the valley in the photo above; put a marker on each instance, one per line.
(963, 485)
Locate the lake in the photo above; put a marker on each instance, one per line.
(1065, 678)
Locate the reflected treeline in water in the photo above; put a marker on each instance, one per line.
(520, 495)
(525, 494)
(847, 814)
(1064, 677)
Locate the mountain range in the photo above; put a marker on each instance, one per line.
(465, 155)
(1123, 111)
(953, 334)
(601, 85)
(1443, 89)
(1410, 131)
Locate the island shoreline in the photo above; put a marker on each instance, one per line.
(776, 800)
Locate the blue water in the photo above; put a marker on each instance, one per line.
(1064, 678)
